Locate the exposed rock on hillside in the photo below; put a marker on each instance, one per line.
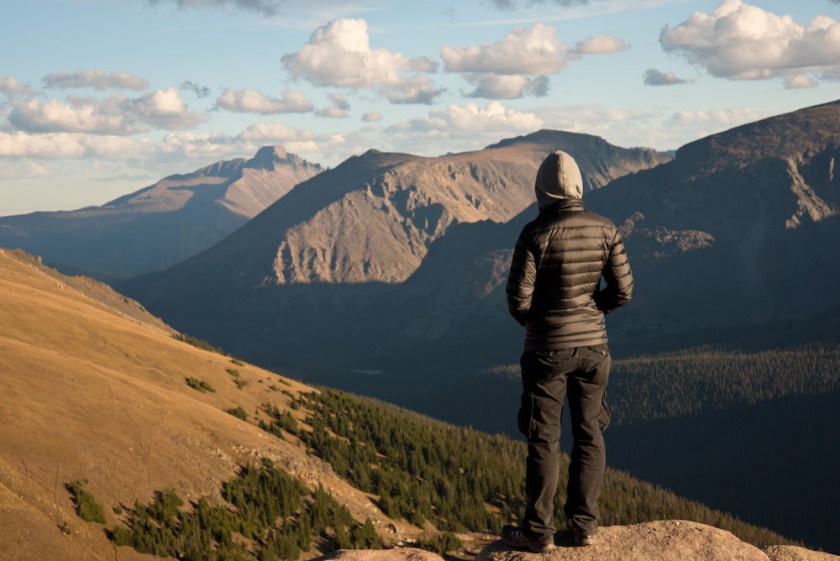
(396, 554)
(656, 541)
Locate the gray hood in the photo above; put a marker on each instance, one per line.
(558, 179)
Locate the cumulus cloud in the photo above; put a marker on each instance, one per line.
(339, 54)
(200, 91)
(725, 117)
(470, 119)
(115, 115)
(252, 101)
(740, 41)
(416, 89)
(274, 132)
(63, 145)
(10, 86)
(165, 109)
(494, 86)
(600, 45)
(338, 109)
(654, 77)
(79, 115)
(800, 82)
(372, 117)
(519, 64)
(95, 79)
(339, 101)
(534, 50)
(331, 112)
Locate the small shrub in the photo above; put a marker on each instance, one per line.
(233, 372)
(197, 343)
(86, 506)
(240, 383)
(237, 362)
(441, 544)
(238, 412)
(199, 385)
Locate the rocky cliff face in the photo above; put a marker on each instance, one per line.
(160, 225)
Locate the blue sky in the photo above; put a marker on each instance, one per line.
(101, 98)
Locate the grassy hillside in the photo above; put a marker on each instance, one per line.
(185, 451)
(99, 392)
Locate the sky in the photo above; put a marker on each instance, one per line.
(100, 98)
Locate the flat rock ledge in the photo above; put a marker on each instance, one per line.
(396, 554)
(672, 540)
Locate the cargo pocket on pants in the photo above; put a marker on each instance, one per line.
(604, 417)
(525, 417)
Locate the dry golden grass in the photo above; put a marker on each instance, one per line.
(92, 391)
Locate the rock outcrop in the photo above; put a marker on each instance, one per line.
(396, 554)
(671, 540)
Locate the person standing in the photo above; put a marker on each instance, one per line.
(554, 291)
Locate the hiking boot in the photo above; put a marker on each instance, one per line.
(516, 538)
(576, 537)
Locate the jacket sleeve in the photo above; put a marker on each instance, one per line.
(618, 277)
(521, 279)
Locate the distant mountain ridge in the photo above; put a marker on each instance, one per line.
(162, 224)
(340, 242)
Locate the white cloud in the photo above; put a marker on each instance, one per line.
(519, 64)
(165, 109)
(416, 89)
(535, 50)
(740, 41)
(495, 86)
(114, 115)
(800, 82)
(80, 115)
(95, 79)
(332, 112)
(372, 117)
(339, 101)
(654, 77)
(252, 101)
(10, 86)
(63, 145)
(275, 132)
(339, 54)
(600, 45)
(726, 117)
(470, 119)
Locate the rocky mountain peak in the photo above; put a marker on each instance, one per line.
(268, 157)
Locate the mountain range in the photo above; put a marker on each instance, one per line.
(385, 276)
(731, 242)
(163, 224)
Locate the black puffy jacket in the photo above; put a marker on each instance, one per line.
(553, 285)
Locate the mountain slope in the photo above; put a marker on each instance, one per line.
(90, 392)
(736, 233)
(342, 240)
(95, 393)
(160, 225)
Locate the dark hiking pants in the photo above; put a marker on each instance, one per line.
(582, 374)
